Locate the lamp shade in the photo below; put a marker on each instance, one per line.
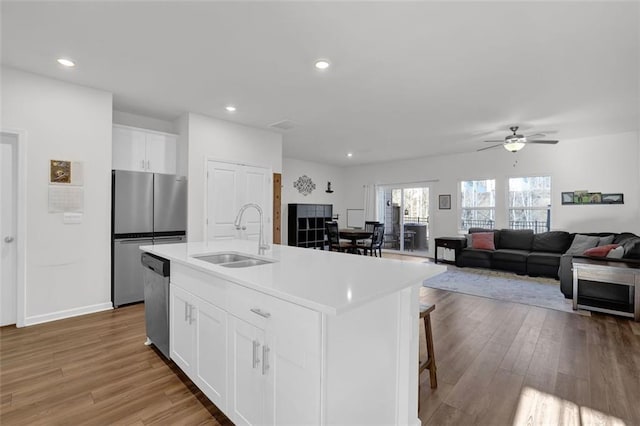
(513, 146)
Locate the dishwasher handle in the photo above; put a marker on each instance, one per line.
(155, 263)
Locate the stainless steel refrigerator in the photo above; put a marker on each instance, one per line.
(148, 208)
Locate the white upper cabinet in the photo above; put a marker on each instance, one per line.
(143, 150)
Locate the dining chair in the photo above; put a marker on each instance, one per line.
(368, 227)
(377, 239)
(333, 234)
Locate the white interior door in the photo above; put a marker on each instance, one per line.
(222, 199)
(8, 229)
(257, 189)
(229, 187)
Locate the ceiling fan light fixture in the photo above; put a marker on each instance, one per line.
(514, 145)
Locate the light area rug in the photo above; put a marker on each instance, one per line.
(536, 291)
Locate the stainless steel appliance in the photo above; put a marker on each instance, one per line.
(148, 208)
(155, 272)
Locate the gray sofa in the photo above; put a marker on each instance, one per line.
(545, 254)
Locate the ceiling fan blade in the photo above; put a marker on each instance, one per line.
(534, 136)
(489, 147)
(549, 142)
(495, 141)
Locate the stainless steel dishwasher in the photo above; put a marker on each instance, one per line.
(156, 301)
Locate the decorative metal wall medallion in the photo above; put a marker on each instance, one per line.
(304, 185)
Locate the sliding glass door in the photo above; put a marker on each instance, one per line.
(406, 218)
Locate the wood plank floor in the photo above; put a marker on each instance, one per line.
(499, 363)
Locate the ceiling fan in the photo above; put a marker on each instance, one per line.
(516, 142)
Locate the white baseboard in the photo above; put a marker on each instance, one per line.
(54, 316)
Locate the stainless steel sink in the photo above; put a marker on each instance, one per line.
(233, 260)
(246, 263)
(219, 258)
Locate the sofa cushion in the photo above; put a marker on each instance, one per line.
(507, 255)
(515, 239)
(600, 251)
(632, 248)
(551, 242)
(604, 241)
(544, 258)
(616, 253)
(496, 233)
(482, 240)
(582, 243)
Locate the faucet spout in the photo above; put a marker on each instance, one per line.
(261, 244)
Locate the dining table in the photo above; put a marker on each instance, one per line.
(355, 235)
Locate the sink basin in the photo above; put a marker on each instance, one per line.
(232, 260)
(219, 258)
(246, 263)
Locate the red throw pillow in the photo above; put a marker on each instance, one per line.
(600, 251)
(482, 240)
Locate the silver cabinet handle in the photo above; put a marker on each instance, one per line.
(142, 164)
(265, 359)
(256, 360)
(186, 310)
(148, 165)
(260, 312)
(191, 318)
(8, 239)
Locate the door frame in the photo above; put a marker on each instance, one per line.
(205, 207)
(21, 226)
(409, 185)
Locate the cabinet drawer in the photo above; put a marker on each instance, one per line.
(205, 286)
(450, 243)
(263, 311)
(603, 275)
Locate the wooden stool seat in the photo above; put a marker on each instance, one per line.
(430, 363)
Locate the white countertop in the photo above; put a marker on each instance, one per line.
(324, 281)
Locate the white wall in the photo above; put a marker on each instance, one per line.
(599, 164)
(210, 138)
(320, 174)
(67, 266)
(144, 122)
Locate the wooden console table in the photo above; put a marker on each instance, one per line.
(607, 273)
(453, 243)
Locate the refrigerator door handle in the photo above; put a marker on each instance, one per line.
(180, 238)
(139, 240)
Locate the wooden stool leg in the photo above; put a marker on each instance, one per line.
(431, 358)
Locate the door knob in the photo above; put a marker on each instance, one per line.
(8, 239)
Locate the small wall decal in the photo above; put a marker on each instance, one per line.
(304, 185)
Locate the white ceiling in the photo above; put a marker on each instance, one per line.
(407, 79)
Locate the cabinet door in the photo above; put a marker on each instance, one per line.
(182, 336)
(161, 153)
(292, 356)
(256, 187)
(247, 385)
(211, 352)
(129, 149)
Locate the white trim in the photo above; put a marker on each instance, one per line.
(21, 208)
(68, 313)
(158, 132)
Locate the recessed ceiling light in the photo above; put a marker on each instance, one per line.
(322, 64)
(66, 62)
(349, 154)
(230, 108)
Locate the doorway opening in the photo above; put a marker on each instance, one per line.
(8, 229)
(406, 217)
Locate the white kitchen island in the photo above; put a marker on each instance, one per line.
(313, 338)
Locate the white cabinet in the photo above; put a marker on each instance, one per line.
(182, 332)
(198, 342)
(143, 150)
(247, 384)
(256, 357)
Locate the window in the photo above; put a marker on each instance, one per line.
(478, 202)
(530, 203)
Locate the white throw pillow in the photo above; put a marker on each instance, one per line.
(616, 253)
(582, 243)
